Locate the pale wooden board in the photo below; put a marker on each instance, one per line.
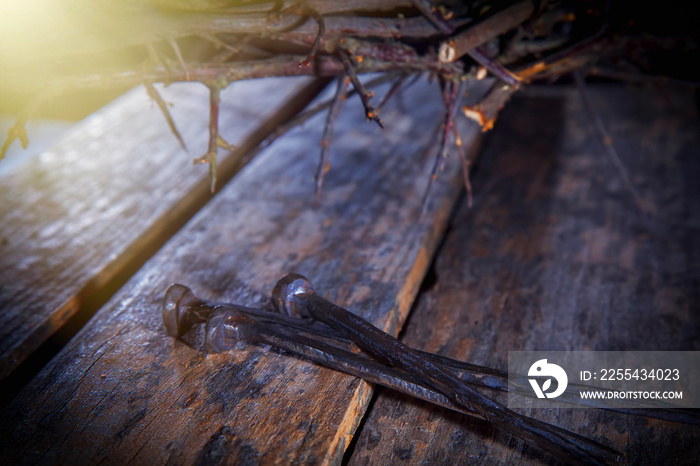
(76, 216)
(553, 256)
(123, 391)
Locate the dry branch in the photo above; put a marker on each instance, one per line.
(485, 112)
(215, 43)
(460, 44)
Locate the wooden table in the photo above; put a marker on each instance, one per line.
(553, 256)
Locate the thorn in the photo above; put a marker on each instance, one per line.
(464, 162)
(16, 131)
(324, 165)
(178, 54)
(157, 58)
(209, 158)
(451, 95)
(220, 142)
(153, 94)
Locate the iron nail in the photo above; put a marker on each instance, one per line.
(294, 295)
(182, 309)
(227, 326)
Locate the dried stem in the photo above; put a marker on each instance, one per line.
(281, 65)
(337, 27)
(319, 34)
(486, 111)
(364, 94)
(428, 10)
(342, 39)
(573, 57)
(215, 140)
(285, 65)
(324, 7)
(392, 90)
(462, 43)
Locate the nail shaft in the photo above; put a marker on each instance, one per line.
(225, 327)
(296, 294)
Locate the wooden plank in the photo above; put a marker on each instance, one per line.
(554, 257)
(122, 391)
(103, 199)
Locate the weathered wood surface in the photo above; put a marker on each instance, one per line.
(554, 257)
(115, 188)
(122, 391)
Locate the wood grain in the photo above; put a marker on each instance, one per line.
(554, 256)
(78, 215)
(122, 391)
